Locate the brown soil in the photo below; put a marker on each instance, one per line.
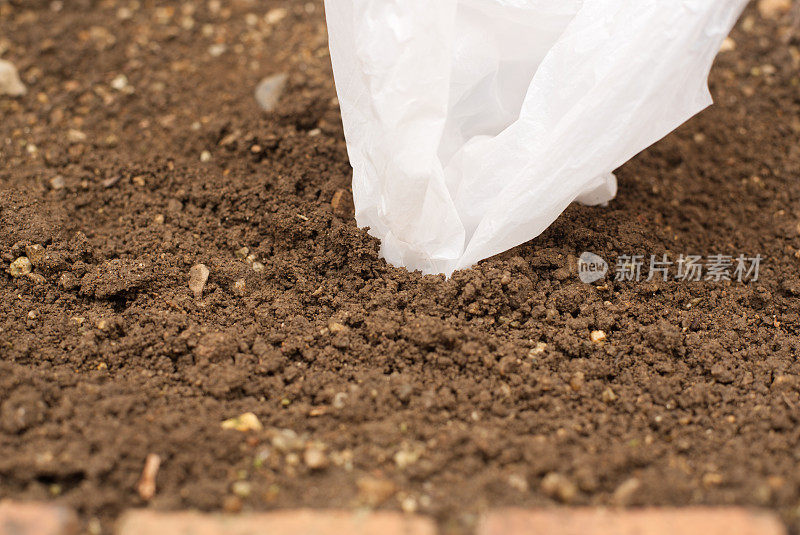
(107, 356)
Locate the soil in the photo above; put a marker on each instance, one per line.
(374, 386)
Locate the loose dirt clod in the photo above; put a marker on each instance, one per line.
(147, 483)
(35, 253)
(198, 275)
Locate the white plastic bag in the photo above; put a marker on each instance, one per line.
(472, 124)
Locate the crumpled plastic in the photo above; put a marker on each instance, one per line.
(471, 125)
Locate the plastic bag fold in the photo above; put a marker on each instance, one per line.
(472, 124)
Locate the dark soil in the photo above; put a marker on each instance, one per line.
(107, 355)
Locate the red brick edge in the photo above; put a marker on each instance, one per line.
(300, 522)
(33, 518)
(19, 518)
(649, 521)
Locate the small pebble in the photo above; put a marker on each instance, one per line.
(339, 400)
(243, 423)
(120, 83)
(258, 267)
(576, 381)
(205, 156)
(774, 9)
(540, 348)
(10, 83)
(21, 266)
(598, 337)
(559, 487)
(518, 482)
(286, 440)
(240, 286)
(198, 275)
(409, 505)
(242, 489)
(276, 15)
(217, 50)
(336, 327)
(57, 182)
(269, 91)
(374, 491)
(76, 136)
(315, 457)
(405, 458)
(728, 45)
(110, 141)
(626, 491)
(608, 395)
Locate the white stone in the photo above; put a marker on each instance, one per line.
(269, 91)
(10, 83)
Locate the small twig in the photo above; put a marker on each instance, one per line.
(147, 483)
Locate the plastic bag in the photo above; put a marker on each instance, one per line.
(472, 124)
